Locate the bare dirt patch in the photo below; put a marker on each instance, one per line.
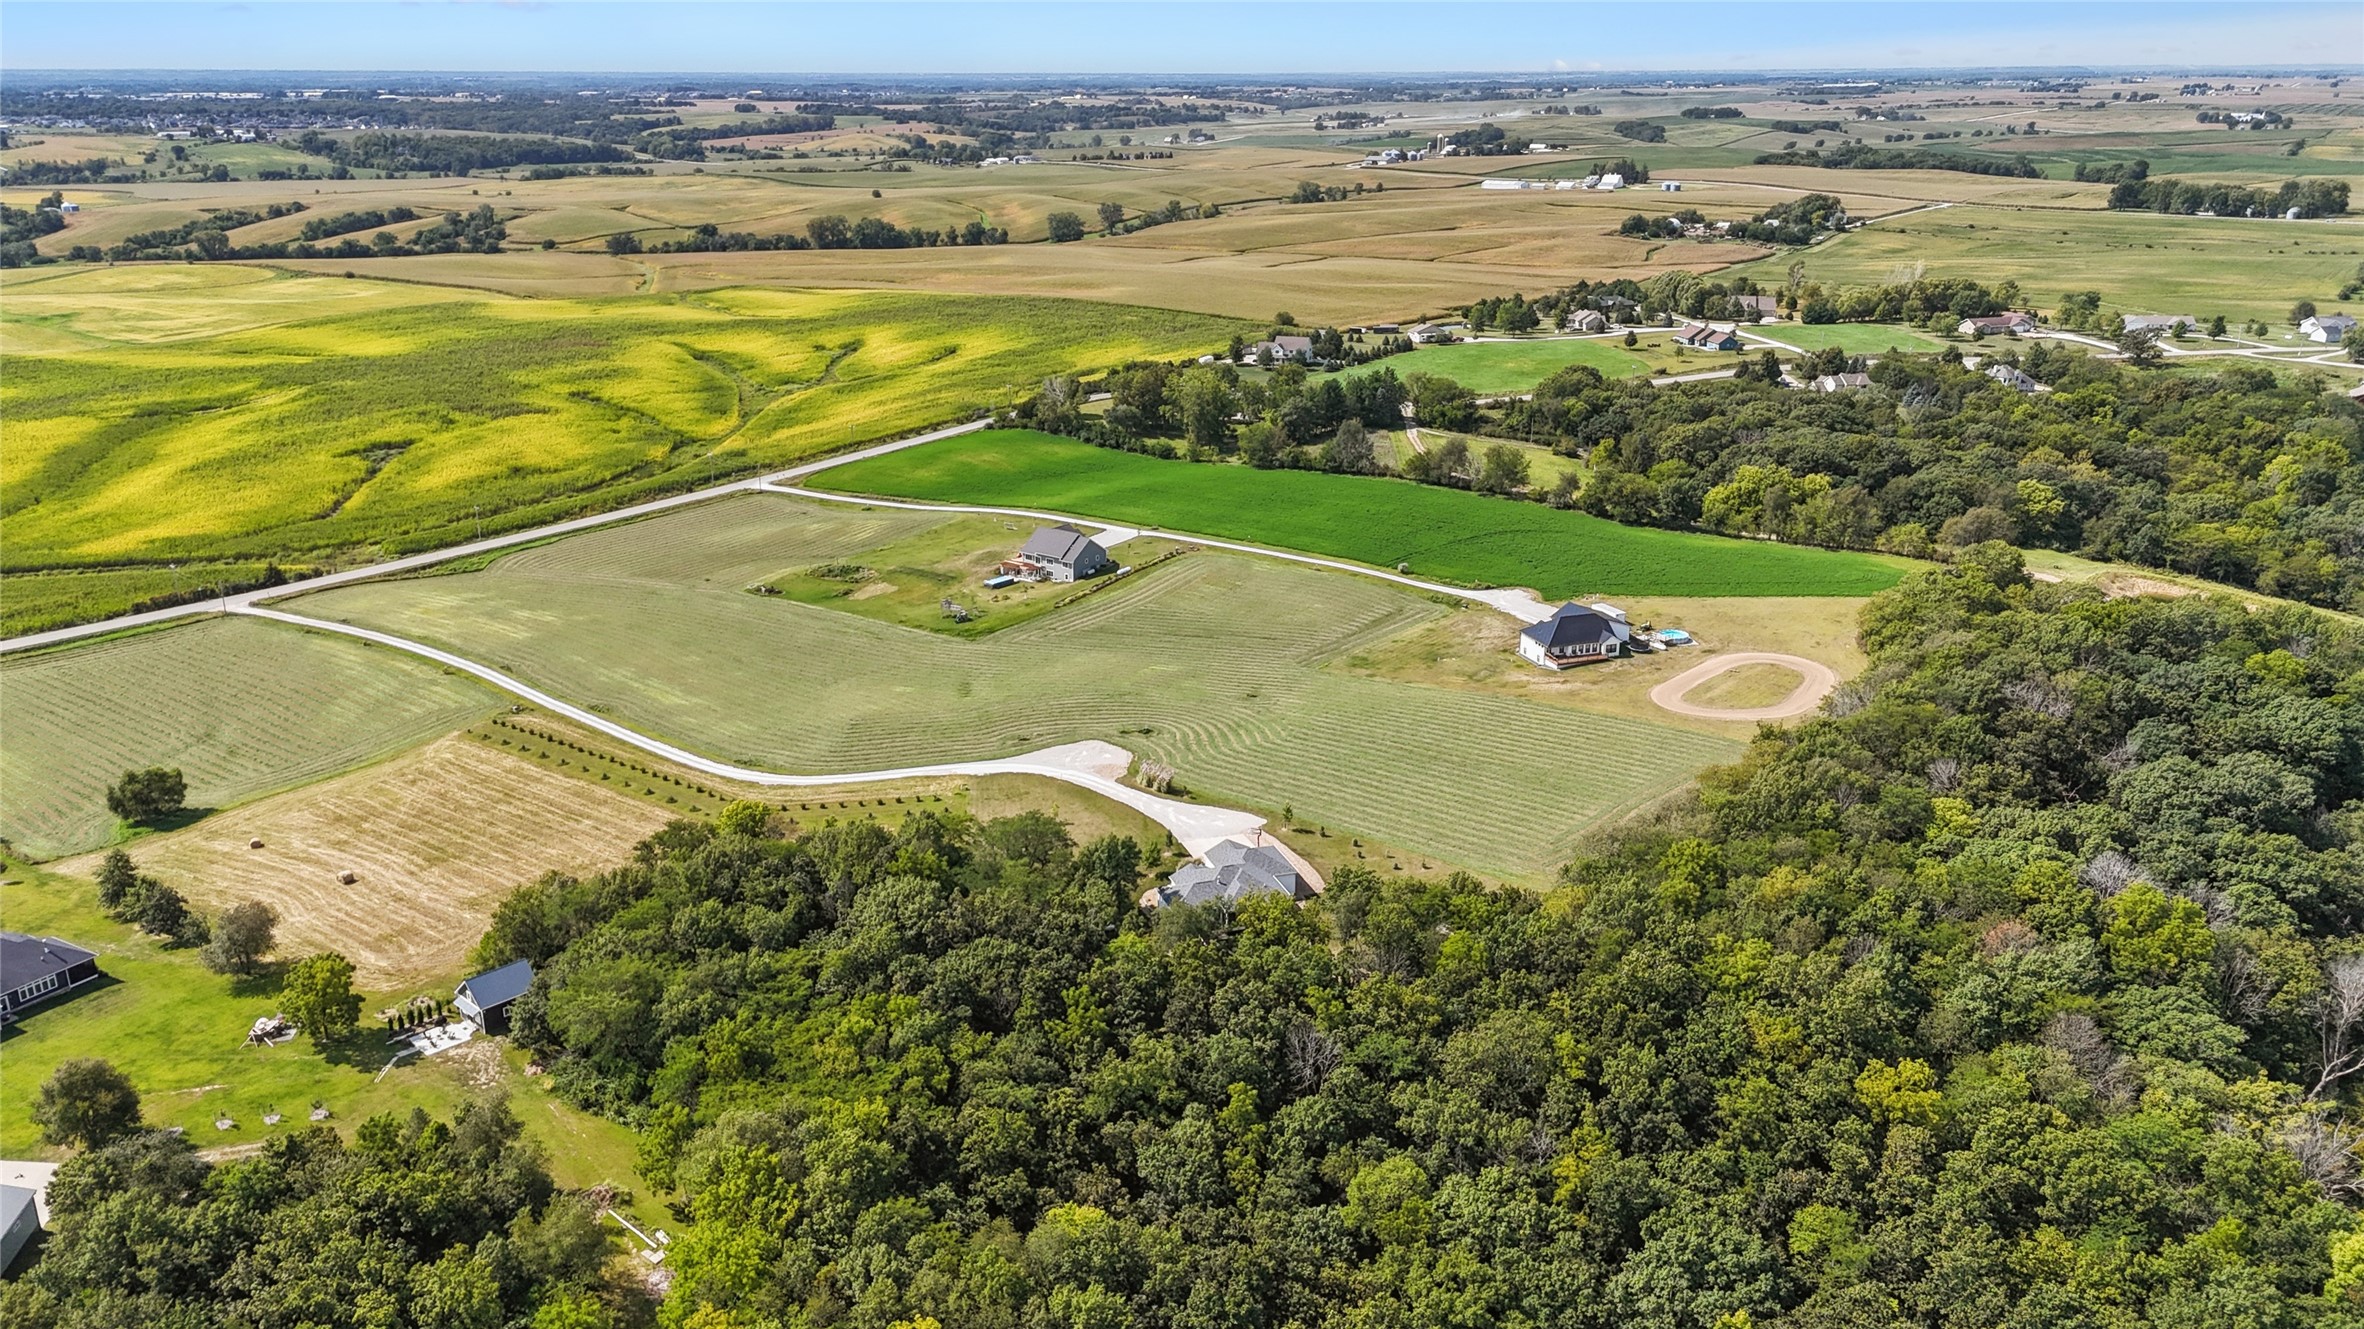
(435, 838)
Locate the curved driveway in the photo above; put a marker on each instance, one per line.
(1819, 680)
(1097, 766)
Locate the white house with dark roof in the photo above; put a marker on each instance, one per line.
(1232, 872)
(34, 969)
(2325, 327)
(1576, 634)
(1057, 553)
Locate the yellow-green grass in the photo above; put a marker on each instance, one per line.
(1543, 465)
(1444, 534)
(1215, 665)
(32, 601)
(909, 581)
(94, 309)
(403, 429)
(1501, 367)
(2139, 261)
(1853, 338)
(241, 707)
(179, 1032)
(1746, 686)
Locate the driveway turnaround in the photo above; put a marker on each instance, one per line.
(1819, 681)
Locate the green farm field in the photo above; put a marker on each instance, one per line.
(1440, 533)
(2140, 262)
(241, 706)
(402, 428)
(1216, 664)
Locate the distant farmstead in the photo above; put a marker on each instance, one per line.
(34, 969)
(1057, 553)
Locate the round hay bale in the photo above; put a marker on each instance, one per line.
(347, 877)
(255, 843)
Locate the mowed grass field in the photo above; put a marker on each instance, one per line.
(1491, 367)
(437, 837)
(2141, 262)
(1218, 665)
(242, 707)
(1444, 534)
(400, 428)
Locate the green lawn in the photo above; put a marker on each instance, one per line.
(240, 706)
(179, 1030)
(1216, 663)
(1444, 534)
(1853, 338)
(909, 581)
(1510, 366)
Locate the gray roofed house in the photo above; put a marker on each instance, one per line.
(2163, 322)
(1057, 553)
(34, 969)
(1840, 382)
(19, 1220)
(1287, 347)
(2012, 376)
(1575, 634)
(1230, 873)
(485, 998)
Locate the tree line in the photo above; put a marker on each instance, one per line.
(2309, 198)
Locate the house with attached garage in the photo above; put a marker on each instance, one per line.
(1995, 325)
(1287, 349)
(2325, 327)
(1229, 873)
(1057, 553)
(34, 969)
(1576, 634)
(1709, 336)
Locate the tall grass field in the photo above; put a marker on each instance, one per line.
(1444, 534)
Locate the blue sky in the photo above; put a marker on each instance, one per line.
(1114, 36)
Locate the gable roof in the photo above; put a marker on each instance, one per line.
(25, 960)
(1060, 544)
(499, 987)
(1233, 872)
(1572, 624)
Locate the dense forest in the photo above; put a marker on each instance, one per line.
(2236, 476)
(416, 1222)
(2020, 987)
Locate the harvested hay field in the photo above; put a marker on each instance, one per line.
(240, 706)
(435, 838)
